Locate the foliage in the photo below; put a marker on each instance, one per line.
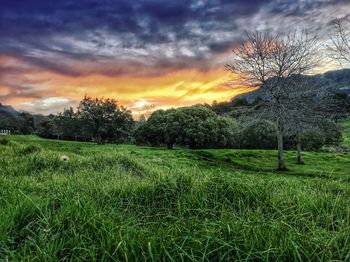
(27, 126)
(149, 204)
(259, 134)
(103, 120)
(48, 127)
(100, 120)
(195, 126)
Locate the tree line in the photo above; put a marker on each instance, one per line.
(199, 126)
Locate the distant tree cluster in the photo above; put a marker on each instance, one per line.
(252, 133)
(200, 127)
(99, 120)
(196, 127)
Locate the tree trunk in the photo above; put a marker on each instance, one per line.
(281, 161)
(300, 160)
(169, 146)
(99, 139)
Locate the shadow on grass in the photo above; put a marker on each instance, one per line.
(210, 159)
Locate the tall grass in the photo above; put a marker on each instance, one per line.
(139, 204)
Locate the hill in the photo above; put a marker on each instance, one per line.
(338, 82)
(18, 121)
(9, 117)
(128, 203)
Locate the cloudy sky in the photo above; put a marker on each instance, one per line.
(141, 52)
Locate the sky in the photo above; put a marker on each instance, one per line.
(141, 52)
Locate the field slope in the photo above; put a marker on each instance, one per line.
(128, 203)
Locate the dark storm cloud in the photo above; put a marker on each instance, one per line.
(33, 23)
(120, 37)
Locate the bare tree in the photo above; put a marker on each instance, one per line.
(340, 49)
(341, 40)
(147, 111)
(275, 63)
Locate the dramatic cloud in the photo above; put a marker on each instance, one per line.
(167, 53)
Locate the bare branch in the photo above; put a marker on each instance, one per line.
(340, 50)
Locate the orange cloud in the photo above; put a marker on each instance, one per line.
(177, 88)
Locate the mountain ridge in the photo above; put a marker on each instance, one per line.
(337, 81)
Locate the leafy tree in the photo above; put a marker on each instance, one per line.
(196, 126)
(103, 119)
(69, 124)
(27, 123)
(48, 127)
(152, 131)
(173, 127)
(121, 125)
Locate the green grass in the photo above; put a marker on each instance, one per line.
(127, 203)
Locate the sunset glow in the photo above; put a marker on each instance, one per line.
(140, 53)
(46, 91)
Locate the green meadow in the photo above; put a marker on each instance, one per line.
(128, 203)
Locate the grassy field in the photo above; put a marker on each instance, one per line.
(128, 203)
